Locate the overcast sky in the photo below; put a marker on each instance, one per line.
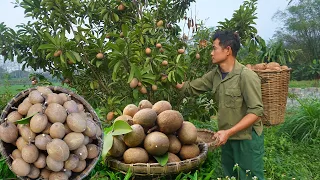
(211, 11)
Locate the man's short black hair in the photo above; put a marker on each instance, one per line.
(228, 38)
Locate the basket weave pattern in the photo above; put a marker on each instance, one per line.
(274, 89)
(6, 148)
(155, 169)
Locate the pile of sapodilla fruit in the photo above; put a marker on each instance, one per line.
(156, 130)
(271, 66)
(58, 139)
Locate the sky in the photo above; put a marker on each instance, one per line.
(211, 11)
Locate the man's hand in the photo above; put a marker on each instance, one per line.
(221, 137)
(179, 86)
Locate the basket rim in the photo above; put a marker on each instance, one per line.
(272, 71)
(200, 158)
(23, 94)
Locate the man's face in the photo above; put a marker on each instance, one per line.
(219, 54)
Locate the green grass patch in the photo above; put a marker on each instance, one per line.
(303, 84)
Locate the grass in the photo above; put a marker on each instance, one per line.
(286, 156)
(303, 84)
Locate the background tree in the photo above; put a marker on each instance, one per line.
(301, 30)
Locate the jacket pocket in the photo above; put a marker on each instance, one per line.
(233, 98)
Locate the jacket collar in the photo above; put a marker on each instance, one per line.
(235, 71)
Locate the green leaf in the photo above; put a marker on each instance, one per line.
(76, 55)
(98, 63)
(131, 73)
(25, 120)
(121, 127)
(178, 58)
(116, 17)
(50, 38)
(107, 144)
(115, 70)
(46, 46)
(71, 57)
(125, 29)
(162, 160)
(135, 93)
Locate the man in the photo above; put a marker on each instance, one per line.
(237, 90)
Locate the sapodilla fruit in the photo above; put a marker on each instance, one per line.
(30, 153)
(41, 161)
(65, 97)
(121, 7)
(91, 129)
(110, 116)
(175, 144)
(21, 143)
(164, 63)
(56, 113)
(154, 87)
(71, 106)
(148, 51)
(26, 133)
(197, 56)
(76, 122)
(35, 97)
(145, 117)
(135, 137)
(74, 140)
(16, 154)
(8, 132)
(57, 130)
(54, 98)
(134, 83)
(161, 106)
(189, 151)
(58, 150)
(99, 56)
(93, 151)
(135, 155)
(14, 116)
(158, 45)
(118, 147)
(156, 143)
(169, 121)
(173, 158)
(143, 90)
(130, 110)
(34, 172)
(180, 51)
(72, 162)
(57, 53)
(38, 122)
(125, 118)
(34, 109)
(47, 129)
(187, 134)
(82, 152)
(145, 104)
(24, 107)
(20, 167)
(160, 23)
(42, 140)
(86, 140)
(44, 90)
(53, 164)
(58, 176)
(81, 166)
(45, 173)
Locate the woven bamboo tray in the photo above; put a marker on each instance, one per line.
(155, 169)
(205, 136)
(7, 148)
(274, 89)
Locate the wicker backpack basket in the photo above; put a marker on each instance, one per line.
(274, 89)
(7, 148)
(155, 169)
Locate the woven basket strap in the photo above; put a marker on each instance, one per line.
(148, 168)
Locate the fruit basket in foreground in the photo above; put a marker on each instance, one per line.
(155, 169)
(96, 140)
